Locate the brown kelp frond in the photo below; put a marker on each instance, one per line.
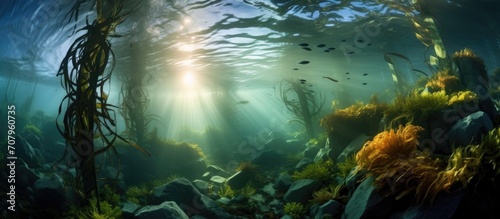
(388, 145)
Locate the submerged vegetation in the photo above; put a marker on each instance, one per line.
(304, 104)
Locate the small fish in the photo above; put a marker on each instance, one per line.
(351, 52)
(304, 44)
(326, 50)
(306, 48)
(302, 81)
(365, 74)
(360, 41)
(243, 102)
(331, 79)
(364, 83)
(295, 69)
(343, 41)
(304, 62)
(347, 73)
(331, 48)
(348, 78)
(321, 45)
(311, 91)
(369, 44)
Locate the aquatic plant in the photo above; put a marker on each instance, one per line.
(329, 192)
(306, 107)
(443, 80)
(321, 171)
(135, 193)
(467, 61)
(226, 191)
(344, 168)
(463, 97)
(84, 72)
(398, 167)
(356, 119)
(294, 209)
(32, 129)
(404, 109)
(247, 191)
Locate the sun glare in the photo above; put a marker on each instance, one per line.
(188, 79)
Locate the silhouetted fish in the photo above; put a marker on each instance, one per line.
(331, 79)
(360, 41)
(351, 52)
(321, 45)
(307, 48)
(331, 48)
(304, 44)
(243, 102)
(302, 81)
(343, 40)
(347, 73)
(304, 62)
(365, 74)
(326, 50)
(296, 69)
(364, 83)
(369, 44)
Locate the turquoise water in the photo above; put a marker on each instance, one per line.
(218, 75)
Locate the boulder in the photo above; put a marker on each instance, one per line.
(301, 190)
(129, 209)
(166, 210)
(330, 208)
(283, 182)
(353, 148)
(468, 129)
(444, 206)
(239, 179)
(366, 202)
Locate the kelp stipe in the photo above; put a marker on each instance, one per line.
(87, 115)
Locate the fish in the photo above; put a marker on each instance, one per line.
(326, 50)
(296, 69)
(360, 41)
(369, 44)
(331, 79)
(306, 48)
(364, 83)
(365, 74)
(305, 62)
(348, 78)
(351, 52)
(304, 44)
(243, 102)
(321, 45)
(302, 81)
(343, 41)
(331, 48)
(347, 73)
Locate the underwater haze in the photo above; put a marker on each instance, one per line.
(250, 109)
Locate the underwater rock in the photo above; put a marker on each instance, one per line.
(331, 208)
(129, 209)
(49, 192)
(301, 191)
(353, 148)
(310, 152)
(444, 206)
(239, 180)
(275, 144)
(283, 182)
(24, 150)
(182, 192)
(201, 185)
(366, 202)
(303, 163)
(25, 177)
(168, 210)
(216, 170)
(469, 129)
(218, 179)
(268, 158)
(114, 175)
